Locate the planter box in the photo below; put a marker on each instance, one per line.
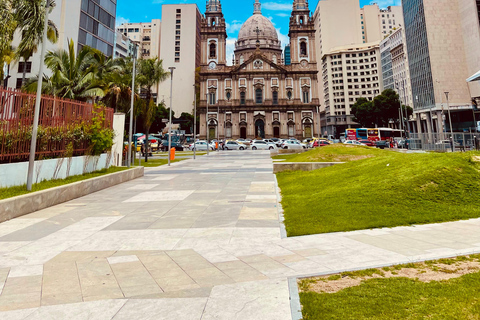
(25, 204)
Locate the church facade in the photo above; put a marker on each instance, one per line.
(258, 96)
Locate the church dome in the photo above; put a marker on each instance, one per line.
(249, 29)
(260, 28)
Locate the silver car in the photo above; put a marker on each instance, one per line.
(292, 144)
(234, 145)
(261, 145)
(201, 145)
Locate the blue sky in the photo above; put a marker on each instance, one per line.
(236, 12)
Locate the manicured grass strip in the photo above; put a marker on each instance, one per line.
(21, 190)
(156, 162)
(335, 153)
(398, 298)
(386, 191)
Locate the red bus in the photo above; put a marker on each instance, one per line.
(351, 134)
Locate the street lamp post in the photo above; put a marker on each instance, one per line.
(129, 162)
(208, 131)
(33, 144)
(401, 109)
(195, 123)
(170, 116)
(319, 122)
(218, 129)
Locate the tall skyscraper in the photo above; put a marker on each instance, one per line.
(146, 35)
(85, 22)
(443, 44)
(180, 48)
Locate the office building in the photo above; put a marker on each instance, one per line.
(85, 22)
(147, 35)
(377, 23)
(124, 47)
(443, 45)
(180, 48)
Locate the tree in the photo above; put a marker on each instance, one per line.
(363, 113)
(8, 26)
(73, 77)
(117, 83)
(386, 107)
(30, 15)
(150, 73)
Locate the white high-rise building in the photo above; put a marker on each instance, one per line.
(146, 35)
(180, 48)
(378, 23)
(85, 22)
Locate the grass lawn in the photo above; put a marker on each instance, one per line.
(397, 298)
(386, 190)
(20, 190)
(152, 162)
(334, 153)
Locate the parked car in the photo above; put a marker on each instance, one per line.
(320, 143)
(354, 142)
(292, 144)
(367, 143)
(201, 145)
(261, 145)
(234, 145)
(173, 144)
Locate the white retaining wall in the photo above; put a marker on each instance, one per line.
(15, 174)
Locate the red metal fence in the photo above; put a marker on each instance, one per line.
(63, 126)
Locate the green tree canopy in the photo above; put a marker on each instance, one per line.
(379, 112)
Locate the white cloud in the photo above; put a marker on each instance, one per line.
(282, 15)
(230, 50)
(277, 6)
(385, 3)
(121, 20)
(234, 26)
(283, 38)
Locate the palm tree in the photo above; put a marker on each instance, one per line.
(73, 76)
(30, 15)
(151, 73)
(7, 29)
(117, 84)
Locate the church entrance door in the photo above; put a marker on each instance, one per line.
(276, 132)
(260, 129)
(243, 132)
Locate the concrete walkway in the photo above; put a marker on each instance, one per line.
(198, 240)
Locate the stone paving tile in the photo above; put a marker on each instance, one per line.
(3, 278)
(178, 309)
(21, 293)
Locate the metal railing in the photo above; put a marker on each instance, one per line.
(62, 125)
(441, 141)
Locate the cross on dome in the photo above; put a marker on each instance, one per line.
(257, 7)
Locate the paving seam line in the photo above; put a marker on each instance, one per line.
(281, 216)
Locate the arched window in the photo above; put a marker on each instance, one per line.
(289, 94)
(303, 49)
(213, 50)
(275, 97)
(241, 59)
(274, 58)
(213, 98)
(242, 97)
(306, 96)
(213, 22)
(301, 19)
(259, 96)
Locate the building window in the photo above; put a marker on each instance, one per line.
(306, 96)
(179, 10)
(177, 59)
(242, 97)
(228, 95)
(275, 97)
(258, 96)
(289, 95)
(213, 51)
(28, 67)
(19, 83)
(303, 49)
(212, 99)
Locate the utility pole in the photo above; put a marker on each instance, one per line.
(195, 123)
(170, 116)
(38, 100)
(129, 162)
(450, 120)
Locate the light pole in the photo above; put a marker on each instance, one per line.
(401, 109)
(206, 123)
(170, 116)
(129, 162)
(218, 129)
(38, 100)
(195, 123)
(319, 122)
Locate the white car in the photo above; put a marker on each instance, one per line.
(234, 145)
(261, 145)
(354, 142)
(292, 144)
(200, 145)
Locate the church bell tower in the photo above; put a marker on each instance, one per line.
(214, 36)
(302, 34)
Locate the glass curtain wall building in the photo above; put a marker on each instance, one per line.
(97, 25)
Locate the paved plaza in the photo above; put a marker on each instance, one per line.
(199, 240)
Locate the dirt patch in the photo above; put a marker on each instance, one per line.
(440, 270)
(476, 158)
(429, 185)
